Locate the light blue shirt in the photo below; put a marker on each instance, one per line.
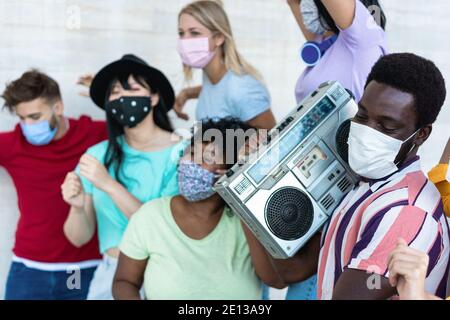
(146, 175)
(241, 97)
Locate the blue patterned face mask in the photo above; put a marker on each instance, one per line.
(195, 183)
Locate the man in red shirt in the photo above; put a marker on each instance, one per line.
(37, 154)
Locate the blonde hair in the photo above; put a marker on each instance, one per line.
(211, 14)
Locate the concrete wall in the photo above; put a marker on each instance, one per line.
(66, 38)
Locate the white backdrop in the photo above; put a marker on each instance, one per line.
(66, 38)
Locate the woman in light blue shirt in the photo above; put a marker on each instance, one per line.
(231, 86)
(137, 164)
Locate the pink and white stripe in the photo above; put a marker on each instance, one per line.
(364, 229)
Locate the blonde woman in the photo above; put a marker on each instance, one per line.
(231, 86)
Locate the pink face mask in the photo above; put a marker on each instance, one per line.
(195, 52)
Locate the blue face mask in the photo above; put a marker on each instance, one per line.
(39, 133)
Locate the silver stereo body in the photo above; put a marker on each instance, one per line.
(289, 187)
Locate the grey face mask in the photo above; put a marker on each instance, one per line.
(311, 17)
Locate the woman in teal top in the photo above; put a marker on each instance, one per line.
(192, 246)
(137, 164)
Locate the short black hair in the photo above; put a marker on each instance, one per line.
(418, 76)
(230, 144)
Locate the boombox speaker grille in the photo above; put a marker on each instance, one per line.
(342, 138)
(289, 213)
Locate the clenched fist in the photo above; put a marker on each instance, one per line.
(72, 191)
(86, 81)
(95, 172)
(408, 271)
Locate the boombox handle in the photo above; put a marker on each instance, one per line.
(350, 93)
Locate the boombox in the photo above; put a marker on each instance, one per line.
(289, 187)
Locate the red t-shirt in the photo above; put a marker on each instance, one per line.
(37, 173)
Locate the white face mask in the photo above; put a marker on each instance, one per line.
(371, 154)
(311, 17)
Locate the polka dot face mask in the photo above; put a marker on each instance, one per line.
(129, 111)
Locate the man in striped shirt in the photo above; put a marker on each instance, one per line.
(365, 227)
(394, 199)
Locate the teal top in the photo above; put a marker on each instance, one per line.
(146, 175)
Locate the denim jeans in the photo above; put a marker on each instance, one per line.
(305, 290)
(25, 283)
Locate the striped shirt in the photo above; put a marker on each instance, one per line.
(366, 225)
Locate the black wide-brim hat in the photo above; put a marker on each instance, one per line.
(131, 64)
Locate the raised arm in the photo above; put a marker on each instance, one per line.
(79, 227)
(96, 173)
(183, 97)
(124, 200)
(294, 5)
(262, 263)
(86, 81)
(342, 11)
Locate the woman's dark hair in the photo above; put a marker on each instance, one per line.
(114, 154)
(327, 20)
(231, 140)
